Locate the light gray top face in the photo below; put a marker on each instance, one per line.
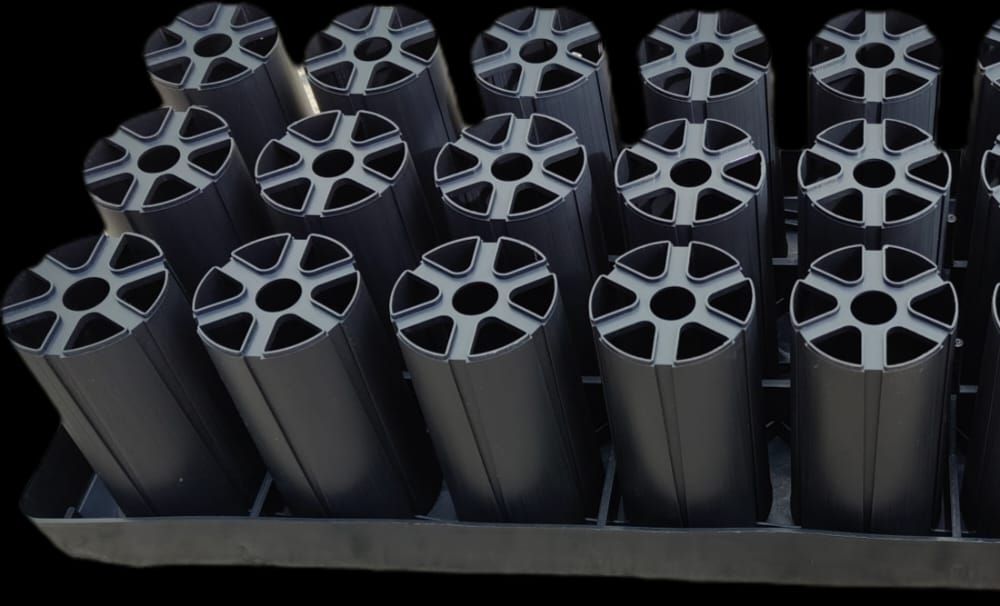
(158, 159)
(508, 168)
(210, 46)
(704, 56)
(331, 163)
(874, 309)
(874, 175)
(535, 52)
(470, 300)
(683, 173)
(276, 295)
(85, 295)
(371, 49)
(990, 171)
(989, 54)
(671, 305)
(875, 56)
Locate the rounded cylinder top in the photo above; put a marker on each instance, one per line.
(670, 305)
(704, 56)
(874, 56)
(85, 295)
(470, 299)
(276, 295)
(990, 171)
(874, 309)
(535, 52)
(158, 159)
(874, 175)
(370, 50)
(211, 45)
(331, 163)
(507, 168)
(684, 173)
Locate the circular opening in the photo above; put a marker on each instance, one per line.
(159, 159)
(511, 167)
(213, 46)
(874, 173)
(691, 173)
(672, 303)
(474, 299)
(372, 49)
(279, 295)
(873, 307)
(333, 163)
(538, 50)
(875, 54)
(705, 54)
(86, 294)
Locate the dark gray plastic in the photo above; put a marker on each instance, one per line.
(350, 177)
(552, 62)
(873, 184)
(981, 489)
(387, 59)
(699, 65)
(484, 335)
(984, 260)
(176, 177)
(106, 331)
(707, 181)
(312, 370)
(984, 127)
(229, 58)
(876, 66)
(871, 367)
(680, 366)
(528, 178)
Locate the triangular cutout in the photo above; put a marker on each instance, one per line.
(814, 168)
(555, 77)
(199, 122)
(632, 167)
(422, 47)
(568, 166)
(902, 265)
(387, 162)
(223, 69)
(713, 204)
(167, 189)
(133, 250)
(848, 205)
(143, 294)
(321, 253)
(938, 305)
(652, 50)
(216, 287)
(903, 345)
(369, 126)
(214, 158)
(696, 340)
(566, 19)
(432, 336)
(493, 130)
(76, 254)
(847, 135)
(387, 73)
(821, 51)
(544, 129)
(636, 340)
(846, 265)
(276, 156)
(809, 303)
(264, 255)
(705, 261)
(411, 291)
(290, 330)
(26, 286)
(92, 329)
(486, 45)
(513, 256)
(749, 170)
(519, 20)
(649, 261)
(321, 44)
(684, 23)
(456, 257)
(356, 19)
(338, 294)
(494, 334)
(453, 160)
(103, 153)
(667, 135)
(291, 196)
(736, 302)
(318, 128)
(336, 77)
(851, 23)
(32, 332)
(757, 54)
(149, 124)
(900, 135)
(529, 197)
(475, 198)
(935, 171)
(229, 333)
(537, 298)
(722, 135)
(609, 297)
(843, 345)
(345, 193)
(660, 204)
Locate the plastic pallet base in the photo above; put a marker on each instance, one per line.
(70, 506)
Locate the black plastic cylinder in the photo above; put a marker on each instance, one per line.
(485, 338)
(296, 338)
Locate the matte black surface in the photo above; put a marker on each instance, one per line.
(229, 58)
(680, 366)
(106, 331)
(874, 65)
(177, 177)
(315, 376)
(485, 338)
(871, 365)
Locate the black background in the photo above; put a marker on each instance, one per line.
(78, 72)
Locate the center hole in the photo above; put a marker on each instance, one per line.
(538, 50)
(691, 173)
(86, 294)
(873, 307)
(511, 167)
(333, 163)
(705, 54)
(372, 49)
(159, 159)
(474, 299)
(213, 46)
(672, 303)
(279, 295)
(874, 173)
(875, 54)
